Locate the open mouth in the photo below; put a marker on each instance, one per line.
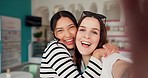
(85, 44)
(69, 42)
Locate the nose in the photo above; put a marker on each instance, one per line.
(87, 35)
(67, 33)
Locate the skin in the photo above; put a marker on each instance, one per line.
(87, 39)
(121, 69)
(65, 31)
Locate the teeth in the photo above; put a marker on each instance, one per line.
(69, 40)
(86, 43)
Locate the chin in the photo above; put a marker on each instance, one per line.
(70, 47)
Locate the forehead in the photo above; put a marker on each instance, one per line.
(90, 22)
(64, 21)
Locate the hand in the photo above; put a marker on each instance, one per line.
(98, 53)
(109, 49)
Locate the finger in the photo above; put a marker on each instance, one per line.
(104, 46)
(105, 53)
(111, 49)
(115, 49)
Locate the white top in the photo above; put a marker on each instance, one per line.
(108, 63)
(17, 74)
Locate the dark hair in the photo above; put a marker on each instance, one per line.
(103, 34)
(58, 15)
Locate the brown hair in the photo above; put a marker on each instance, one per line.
(103, 37)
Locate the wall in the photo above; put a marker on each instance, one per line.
(53, 5)
(66, 3)
(46, 8)
(19, 9)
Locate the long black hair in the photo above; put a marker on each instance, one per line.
(103, 34)
(58, 15)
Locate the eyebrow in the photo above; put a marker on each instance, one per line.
(59, 28)
(92, 28)
(96, 29)
(62, 28)
(71, 24)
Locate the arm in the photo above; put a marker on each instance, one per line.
(107, 50)
(110, 49)
(121, 69)
(58, 58)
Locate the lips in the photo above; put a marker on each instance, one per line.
(69, 41)
(85, 44)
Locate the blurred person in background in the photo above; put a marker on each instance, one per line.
(136, 15)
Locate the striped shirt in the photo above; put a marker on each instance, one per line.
(57, 62)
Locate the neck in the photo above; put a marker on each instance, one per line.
(86, 59)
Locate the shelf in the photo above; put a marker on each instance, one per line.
(116, 33)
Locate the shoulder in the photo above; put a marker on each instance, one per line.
(121, 68)
(55, 47)
(55, 44)
(121, 64)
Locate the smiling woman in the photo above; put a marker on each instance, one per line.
(88, 36)
(65, 32)
(91, 36)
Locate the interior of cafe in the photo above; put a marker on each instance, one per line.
(111, 8)
(23, 43)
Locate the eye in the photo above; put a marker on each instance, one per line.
(59, 31)
(81, 29)
(72, 27)
(95, 32)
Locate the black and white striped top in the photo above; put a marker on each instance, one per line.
(57, 62)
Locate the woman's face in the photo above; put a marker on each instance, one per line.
(88, 36)
(65, 31)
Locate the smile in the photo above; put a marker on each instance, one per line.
(85, 43)
(69, 42)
